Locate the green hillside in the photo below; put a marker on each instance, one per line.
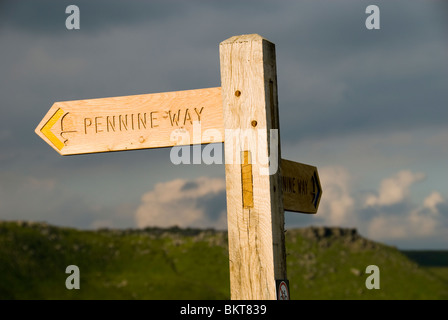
(323, 263)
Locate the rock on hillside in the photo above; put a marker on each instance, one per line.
(325, 236)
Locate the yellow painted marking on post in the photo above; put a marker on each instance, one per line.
(46, 129)
(247, 180)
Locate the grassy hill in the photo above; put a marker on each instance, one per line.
(154, 263)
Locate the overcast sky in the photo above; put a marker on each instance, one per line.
(367, 107)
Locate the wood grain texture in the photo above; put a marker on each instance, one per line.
(134, 122)
(301, 187)
(256, 235)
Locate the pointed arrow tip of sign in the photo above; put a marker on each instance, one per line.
(44, 129)
(318, 193)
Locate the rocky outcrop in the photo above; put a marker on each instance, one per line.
(325, 236)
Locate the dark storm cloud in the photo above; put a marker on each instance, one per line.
(189, 185)
(442, 209)
(339, 78)
(335, 76)
(49, 15)
(213, 204)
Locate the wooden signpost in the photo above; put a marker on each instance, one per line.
(242, 113)
(301, 187)
(132, 122)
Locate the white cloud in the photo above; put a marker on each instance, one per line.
(185, 203)
(411, 222)
(337, 204)
(395, 189)
(390, 215)
(432, 201)
(423, 221)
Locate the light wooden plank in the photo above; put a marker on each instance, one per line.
(134, 122)
(256, 234)
(301, 187)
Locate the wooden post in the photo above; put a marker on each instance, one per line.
(255, 211)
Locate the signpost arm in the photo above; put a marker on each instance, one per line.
(255, 211)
